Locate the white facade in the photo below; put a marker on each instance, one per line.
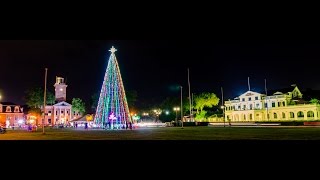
(60, 113)
(253, 106)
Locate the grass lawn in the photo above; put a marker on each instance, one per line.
(172, 133)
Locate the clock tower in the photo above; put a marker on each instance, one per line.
(60, 89)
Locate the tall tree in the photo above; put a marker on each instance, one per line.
(205, 100)
(34, 98)
(51, 99)
(112, 110)
(131, 96)
(78, 106)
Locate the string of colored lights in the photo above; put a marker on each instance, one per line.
(112, 110)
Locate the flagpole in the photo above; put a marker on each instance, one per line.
(189, 95)
(44, 100)
(249, 83)
(265, 87)
(224, 121)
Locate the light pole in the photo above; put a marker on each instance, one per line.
(181, 109)
(44, 100)
(176, 109)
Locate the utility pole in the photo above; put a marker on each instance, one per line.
(44, 100)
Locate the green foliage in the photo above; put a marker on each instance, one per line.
(51, 99)
(292, 103)
(314, 101)
(34, 98)
(201, 116)
(78, 106)
(205, 100)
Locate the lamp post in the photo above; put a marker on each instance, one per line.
(176, 109)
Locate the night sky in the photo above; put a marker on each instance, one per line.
(153, 68)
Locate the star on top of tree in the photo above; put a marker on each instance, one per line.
(113, 50)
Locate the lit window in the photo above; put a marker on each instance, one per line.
(16, 109)
(8, 109)
(61, 89)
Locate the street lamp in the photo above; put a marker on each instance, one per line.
(176, 109)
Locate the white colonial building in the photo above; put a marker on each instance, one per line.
(61, 112)
(282, 105)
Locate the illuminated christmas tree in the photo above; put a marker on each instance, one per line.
(112, 110)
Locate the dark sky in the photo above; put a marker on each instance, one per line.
(152, 67)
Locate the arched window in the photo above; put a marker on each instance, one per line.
(16, 109)
(310, 114)
(250, 116)
(300, 114)
(8, 109)
(244, 117)
(283, 115)
(275, 116)
(291, 115)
